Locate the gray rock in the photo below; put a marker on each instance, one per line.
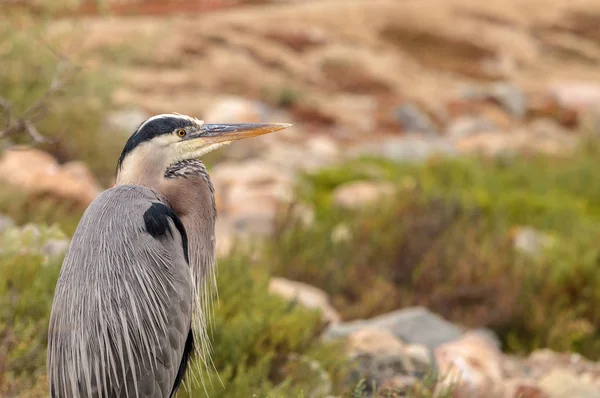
(232, 109)
(378, 356)
(55, 247)
(465, 126)
(530, 241)
(359, 194)
(507, 94)
(411, 149)
(511, 97)
(126, 120)
(412, 119)
(306, 295)
(5, 222)
(415, 325)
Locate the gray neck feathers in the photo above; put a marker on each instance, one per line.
(190, 193)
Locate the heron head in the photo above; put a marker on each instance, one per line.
(166, 139)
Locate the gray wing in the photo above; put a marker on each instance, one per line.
(120, 321)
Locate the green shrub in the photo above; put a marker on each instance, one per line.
(262, 345)
(446, 241)
(26, 291)
(257, 336)
(74, 116)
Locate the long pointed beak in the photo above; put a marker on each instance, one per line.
(214, 133)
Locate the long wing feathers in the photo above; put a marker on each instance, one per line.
(123, 302)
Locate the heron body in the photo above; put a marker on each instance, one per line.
(133, 297)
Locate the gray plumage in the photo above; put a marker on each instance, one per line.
(134, 294)
(138, 320)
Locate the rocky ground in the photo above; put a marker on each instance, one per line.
(403, 80)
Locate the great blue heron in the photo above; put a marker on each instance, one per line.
(134, 290)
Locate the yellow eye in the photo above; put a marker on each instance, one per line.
(181, 133)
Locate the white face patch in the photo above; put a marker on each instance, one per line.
(164, 140)
(196, 148)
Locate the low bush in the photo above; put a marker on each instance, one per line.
(447, 241)
(262, 345)
(73, 117)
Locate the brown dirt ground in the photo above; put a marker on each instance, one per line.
(341, 59)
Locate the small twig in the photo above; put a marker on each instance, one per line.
(37, 110)
(7, 110)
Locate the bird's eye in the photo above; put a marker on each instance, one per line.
(181, 133)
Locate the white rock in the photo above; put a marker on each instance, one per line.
(5, 222)
(253, 171)
(230, 109)
(308, 296)
(357, 194)
(126, 121)
(55, 247)
(37, 172)
(531, 241)
(561, 383)
(323, 146)
(376, 341)
(471, 367)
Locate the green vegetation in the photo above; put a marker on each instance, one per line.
(262, 344)
(26, 291)
(72, 117)
(446, 241)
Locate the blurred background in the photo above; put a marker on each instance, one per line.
(434, 211)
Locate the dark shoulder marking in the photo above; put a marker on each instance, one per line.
(156, 220)
(185, 358)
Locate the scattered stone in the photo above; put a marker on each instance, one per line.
(374, 341)
(548, 128)
(308, 296)
(466, 126)
(566, 102)
(530, 241)
(523, 388)
(292, 159)
(224, 236)
(250, 193)
(323, 147)
(126, 121)
(576, 95)
(304, 213)
(416, 325)
(399, 384)
(55, 247)
(248, 172)
(34, 239)
(412, 119)
(506, 94)
(471, 367)
(520, 141)
(298, 39)
(357, 194)
(380, 357)
(230, 109)
(541, 362)
(413, 149)
(5, 222)
(341, 233)
(562, 383)
(37, 172)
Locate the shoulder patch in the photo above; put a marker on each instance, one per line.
(156, 220)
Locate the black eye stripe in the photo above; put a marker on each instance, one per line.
(149, 130)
